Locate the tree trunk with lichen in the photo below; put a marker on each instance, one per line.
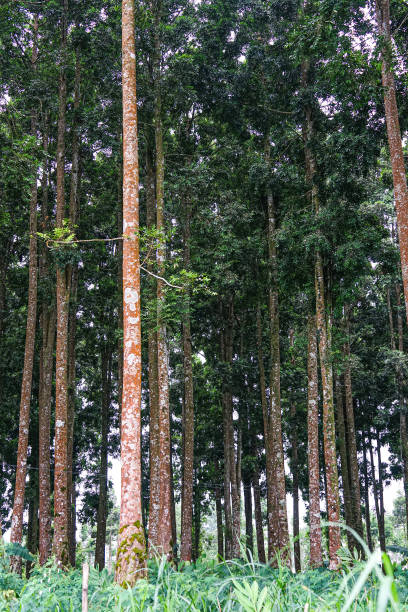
(131, 553)
(25, 398)
(316, 559)
(394, 137)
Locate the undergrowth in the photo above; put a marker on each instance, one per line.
(209, 586)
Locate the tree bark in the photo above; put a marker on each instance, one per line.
(380, 493)
(106, 371)
(295, 472)
(188, 414)
(351, 438)
(366, 496)
(375, 492)
(131, 555)
(154, 433)
(260, 542)
(280, 517)
(249, 530)
(220, 535)
(345, 477)
(25, 398)
(228, 444)
(394, 137)
(313, 446)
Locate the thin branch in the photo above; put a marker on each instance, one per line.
(160, 278)
(67, 243)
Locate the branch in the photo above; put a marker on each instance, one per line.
(160, 278)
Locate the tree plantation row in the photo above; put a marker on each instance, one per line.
(204, 274)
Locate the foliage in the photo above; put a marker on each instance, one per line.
(205, 586)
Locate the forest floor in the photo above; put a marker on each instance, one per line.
(207, 586)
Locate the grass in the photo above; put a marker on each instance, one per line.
(209, 586)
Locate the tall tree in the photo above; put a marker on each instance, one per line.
(131, 555)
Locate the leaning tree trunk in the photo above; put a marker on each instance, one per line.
(394, 137)
(106, 371)
(188, 414)
(25, 398)
(313, 446)
(131, 553)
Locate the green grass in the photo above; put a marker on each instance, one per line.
(235, 586)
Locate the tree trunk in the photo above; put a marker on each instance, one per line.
(375, 492)
(313, 446)
(345, 477)
(131, 555)
(154, 434)
(106, 371)
(25, 398)
(220, 535)
(61, 522)
(366, 497)
(73, 272)
(188, 414)
(280, 517)
(351, 439)
(380, 493)
(270, 481)
(403, 402)
(394, 137)
(260, 542)
(295, 472)
(249, 530)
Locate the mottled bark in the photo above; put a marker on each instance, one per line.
(403, 402)
(375, 493)
(366, 496)
(73, 272)
(220, 535)
(351, 438)
(269, 452)
(381, 526)
(188, 413)
(342, 443)
(394, 137)
(131, 554)
(279, 516)
(61, 522)
(25, 398)
(106, 375)
(313, 446)
(249, 530)
(260, 541)
(295, 470)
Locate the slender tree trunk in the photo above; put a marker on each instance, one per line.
(73, 272)
(345, 477)
(173, 507)
(106, 370)
(228, 444)
(154, 433)
(61, 522)
(403, 403)
(375, 492)
(220, 535)
(131, 553)
(394, 137)
(313, 446)
(249, 530)
(25, 398)
(188, 414)
(275, 417)
(295, 471)
(165, 532)
(270, 481)
(380, 493)
(366, 497)
(260, 542)
(351, 439)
